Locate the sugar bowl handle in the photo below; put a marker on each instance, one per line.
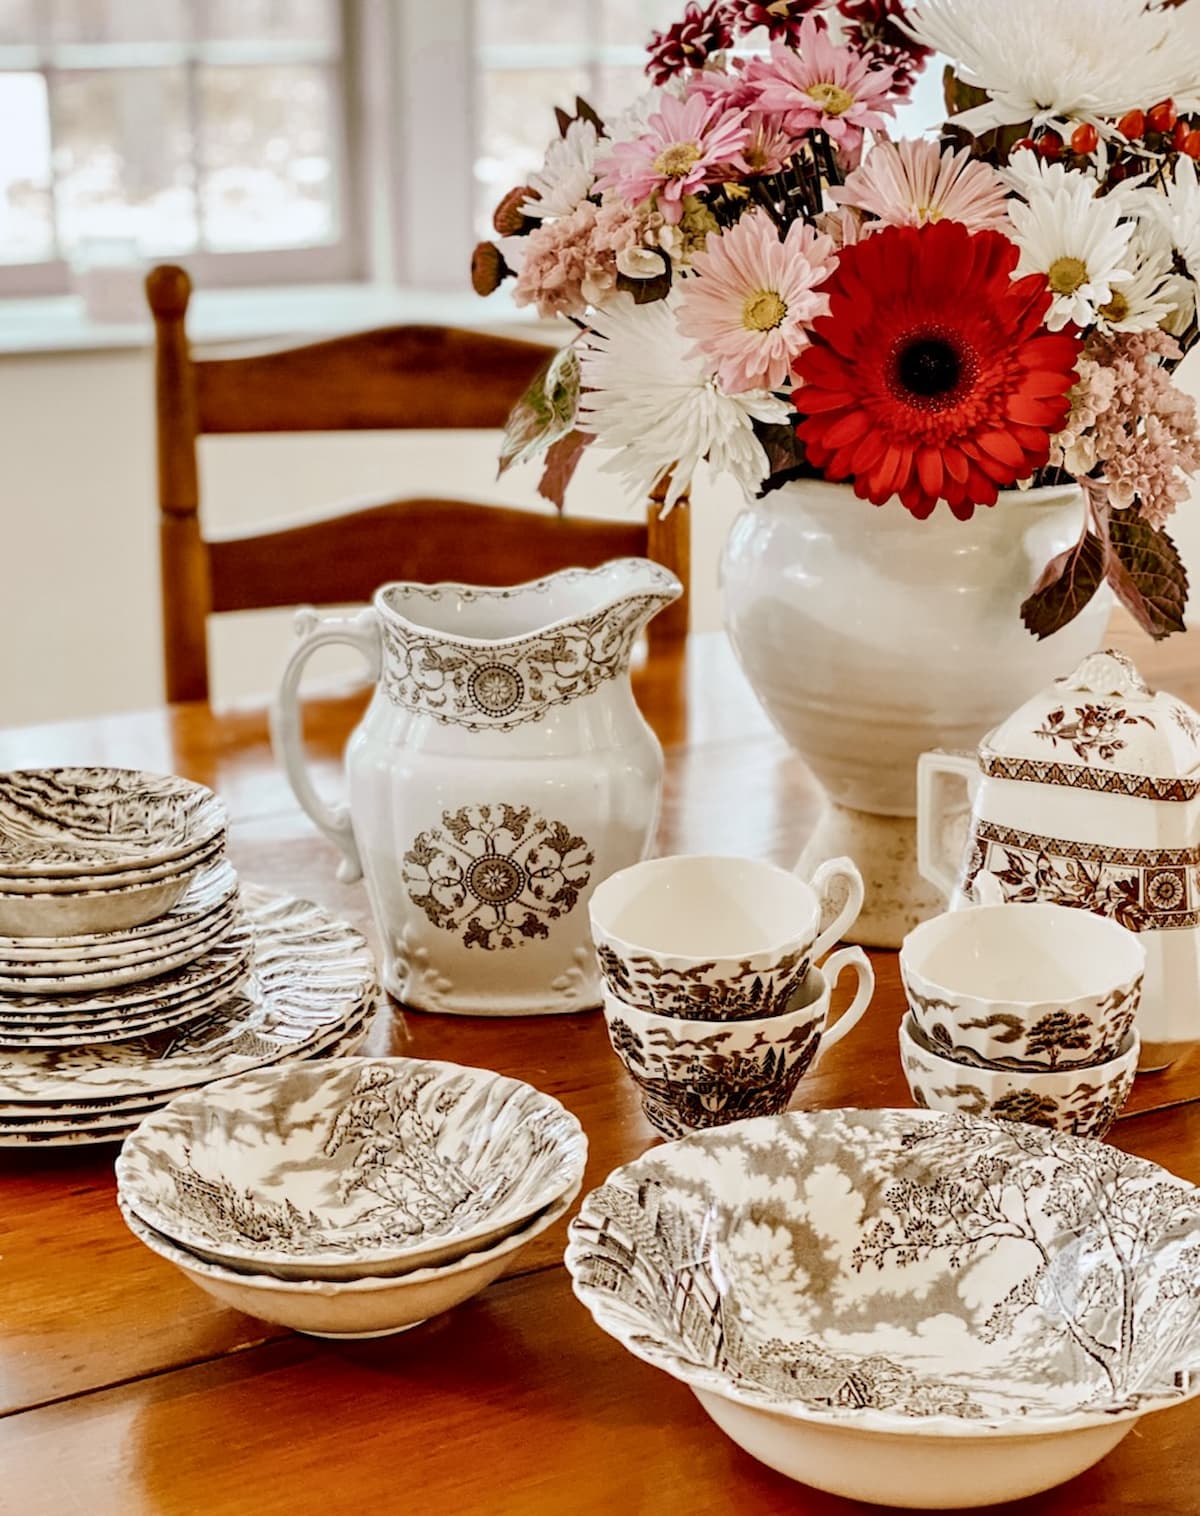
(846, 870)
(845, 958)
(287, 734)
(933, 771)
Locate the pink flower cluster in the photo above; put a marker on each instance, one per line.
(571, 263)
(1132, 422)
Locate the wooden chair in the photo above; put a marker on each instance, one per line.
(395, 377)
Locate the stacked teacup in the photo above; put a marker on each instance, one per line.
(118, 911)
(1024, 1012)
(712, 996)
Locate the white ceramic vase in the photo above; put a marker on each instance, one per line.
(870, 637)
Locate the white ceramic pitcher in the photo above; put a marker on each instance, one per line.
(500, 772)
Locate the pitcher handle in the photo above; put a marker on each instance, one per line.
(933, 768)
(833, 869)
(845, 958)
(287, 731)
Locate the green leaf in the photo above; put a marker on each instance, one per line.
(562, 459)
(545, 412)
(1067, 584)
(1147, 574)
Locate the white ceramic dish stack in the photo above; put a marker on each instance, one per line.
(351, 1200)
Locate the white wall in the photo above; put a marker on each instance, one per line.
(79, 619)
(79, 602)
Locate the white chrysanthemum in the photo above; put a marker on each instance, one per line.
(1145, 300)
(1078, 242)
(1182, 208)
(1028, 172)
(647, 397)
(567, 175)
(1056, 59)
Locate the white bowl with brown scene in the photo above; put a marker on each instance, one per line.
(1023, 986)
(917, 1310)
(717, 938)
(349, 1169)
(1081, 1101)
(692, 1075)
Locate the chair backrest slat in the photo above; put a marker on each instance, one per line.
(414, 377)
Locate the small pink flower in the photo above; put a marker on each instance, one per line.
(566, 267)
(823, 85)
(770, 145)
(689, 142)
(727, 85)
(750, 299)
(910, 183)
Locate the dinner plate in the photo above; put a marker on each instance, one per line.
(212, 888)
(366, 1033)
(310, 974)
(86, 975)
(65, 821)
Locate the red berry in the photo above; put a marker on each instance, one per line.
(1025, 142)
(1179, 135)
(1191, 144)
(1162, 117)
(1050, 145)
(1085, 138)
(1132, 125)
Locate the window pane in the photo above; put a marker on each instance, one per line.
(121, 158)
(628, 23)
(503, 23)
(516, 121)
(289, 20)
(26, 215)
(16, 24)
(119, 20)
(267, 157)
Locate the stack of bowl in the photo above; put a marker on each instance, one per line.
(1024, 1012)
(351, 1198)
(711, 996)
(118, 911)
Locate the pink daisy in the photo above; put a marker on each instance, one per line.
(909, 183)
(728, 85)
(769, 145)
(823, 85)
(750, 299)
(688, 142)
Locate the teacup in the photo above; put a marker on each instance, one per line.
(1023, 986)
(1082, 1101)
(698, 1074)
(717, 939)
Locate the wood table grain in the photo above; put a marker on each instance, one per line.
(125, 1391)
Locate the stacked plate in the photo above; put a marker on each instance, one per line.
(354, 1199)
(134, 967)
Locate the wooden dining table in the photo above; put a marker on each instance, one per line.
(125, 1391)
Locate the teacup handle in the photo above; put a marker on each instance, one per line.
(287, 735)
(822, 880)
(845, 958)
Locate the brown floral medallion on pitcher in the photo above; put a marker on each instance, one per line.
(497, 874)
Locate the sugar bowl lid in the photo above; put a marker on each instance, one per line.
(1101, 728)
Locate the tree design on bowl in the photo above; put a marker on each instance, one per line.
(497, 874)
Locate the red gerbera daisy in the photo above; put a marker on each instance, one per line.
(932, 377)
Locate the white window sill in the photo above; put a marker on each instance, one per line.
(60, 325)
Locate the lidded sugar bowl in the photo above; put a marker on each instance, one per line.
(1087, 796)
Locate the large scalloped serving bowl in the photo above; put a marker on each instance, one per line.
(352, 1167)
(899, 1306)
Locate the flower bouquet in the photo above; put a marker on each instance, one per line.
(761, 278)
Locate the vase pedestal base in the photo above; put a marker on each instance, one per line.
(885, 850)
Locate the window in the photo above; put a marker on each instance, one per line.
(532, 56)
(208, 129)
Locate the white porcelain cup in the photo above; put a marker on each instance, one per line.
(697, 1074)
(718, 939)
(1023, 986)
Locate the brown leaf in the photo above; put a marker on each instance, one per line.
(786, 458)
(1147, 574)
(1067, 584)
(562, 459)
(645, 291)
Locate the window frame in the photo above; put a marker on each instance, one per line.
(339, 261)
